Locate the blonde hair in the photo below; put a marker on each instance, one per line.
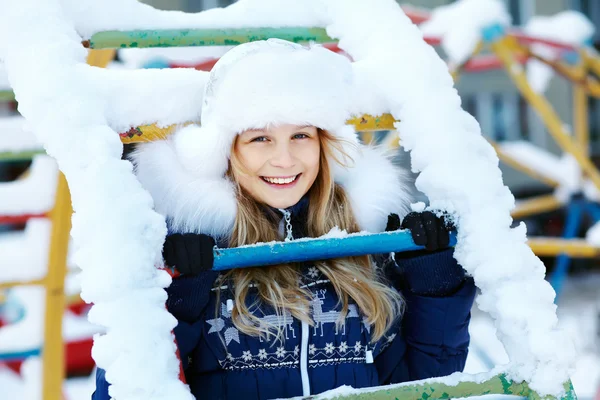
(279, 286)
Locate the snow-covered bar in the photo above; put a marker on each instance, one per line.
(24, 155)
(324, 248)
(202, 37)
(444, 388)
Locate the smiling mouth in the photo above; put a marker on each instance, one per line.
(280, 180)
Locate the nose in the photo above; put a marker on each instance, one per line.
(283, 156)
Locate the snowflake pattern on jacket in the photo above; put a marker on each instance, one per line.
(329, 337)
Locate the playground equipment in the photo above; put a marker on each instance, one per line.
(500, 384)
(507, 49)
(53, 351)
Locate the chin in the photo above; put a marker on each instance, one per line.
(283, 203)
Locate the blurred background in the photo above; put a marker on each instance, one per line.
(531, 123)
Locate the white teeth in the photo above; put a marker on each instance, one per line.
(280, 181)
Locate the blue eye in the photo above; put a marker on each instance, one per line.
(300, 136)
(259, 139)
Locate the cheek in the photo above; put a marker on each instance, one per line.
(250, 161)
(312, 160)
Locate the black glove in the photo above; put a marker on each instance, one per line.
(426, 229)
(189, 253)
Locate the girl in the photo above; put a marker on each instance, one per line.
(274, 160)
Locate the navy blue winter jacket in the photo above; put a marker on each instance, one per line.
(220, 362)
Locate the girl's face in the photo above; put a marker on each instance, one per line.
(279, 163)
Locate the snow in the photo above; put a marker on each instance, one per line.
(138, 58)
(578, 312)
(418, 207)
(24, 255)
(32, 194)
(4, 84)
(593, 234)
(127, 100)
(117, 235)
(91, 16)
(335, 233)
(569, 27)
(26, 333)
(563, 169)
(14, 136)
(459, 173)
(74, 110)
(460, 25)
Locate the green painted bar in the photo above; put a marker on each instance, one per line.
(202, 37)
(20, 156)
(7, 95)
(498, 385)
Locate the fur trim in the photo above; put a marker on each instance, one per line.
(194, 202)
(189, 201)
(376, 188)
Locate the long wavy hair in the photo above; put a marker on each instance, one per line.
(279, 286)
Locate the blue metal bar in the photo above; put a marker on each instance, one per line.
(19, 355)
(563, 261)
(316, 249)
(593, 210)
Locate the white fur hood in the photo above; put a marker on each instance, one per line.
(194, 202)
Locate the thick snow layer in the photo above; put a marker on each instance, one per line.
(24, 255)
(570, 27)
(129, 100)
(459, 172)
(33, 194)
(138, 58)
(117, 234)
(563, 169)
(91, 16)
(72, 108)
(593, 234)
(4, 84)
(578, 311)
(460, 25)
(15, 137)
(26, 333)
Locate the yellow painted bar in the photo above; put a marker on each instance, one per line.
(550, 247)
(573, 73)
(544, 110)
(370, 123)
(53, 357)
(536, 205)
(100, 58)
(591, 60)
(8, 285)
(580, 107)
(149, 133)
(580, 118)
(508, 160)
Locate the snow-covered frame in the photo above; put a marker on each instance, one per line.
(76, 110)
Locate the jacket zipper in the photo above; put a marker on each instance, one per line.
(287, 220)
(304, 360)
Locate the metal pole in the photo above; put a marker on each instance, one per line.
(53, 358)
